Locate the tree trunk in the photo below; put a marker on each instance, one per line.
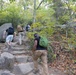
(34, 12)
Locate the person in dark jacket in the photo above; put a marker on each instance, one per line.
(10, 35)
(39, 52)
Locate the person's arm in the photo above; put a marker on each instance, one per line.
(34, 46)
(15, 33)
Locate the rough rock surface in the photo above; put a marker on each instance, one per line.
(3, 28)
(21, 62)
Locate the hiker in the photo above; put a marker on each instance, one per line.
(39, 52)
(28, 27)
(20, 33)
(9, 34)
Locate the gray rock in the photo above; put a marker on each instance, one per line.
(5, 73)
(5, 50)
(7, 55)
(18, 52)
(9, 60)
(17, 48)
(21, 59)
(3, 28)
(2, 62)
(34, 74)
(1, 72)
(23, 69)
(12, 74)
(30, 59)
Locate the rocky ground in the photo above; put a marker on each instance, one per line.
(18, 61)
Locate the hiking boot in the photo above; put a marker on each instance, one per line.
(36, 71)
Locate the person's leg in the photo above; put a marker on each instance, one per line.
(20, 39)
(9, 39)
(22, 36)
(35, 57)
(44, 62)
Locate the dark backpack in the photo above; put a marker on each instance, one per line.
(11, 30)
(26, 28)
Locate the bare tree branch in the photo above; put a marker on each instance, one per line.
(40, 4)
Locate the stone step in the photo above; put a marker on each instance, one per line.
(18, 52)
(39, 73)
(5, 72)
(21, 52)
(23, 69)
(7, 61)
(33, 73)
(23, 58)
(19, 48)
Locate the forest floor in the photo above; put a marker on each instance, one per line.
(65, 60)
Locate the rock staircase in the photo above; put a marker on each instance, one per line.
(19, 61)
(23, 61)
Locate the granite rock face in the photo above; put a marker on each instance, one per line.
(2, 29)
(9, 60)
(23, 69)
(2, 62)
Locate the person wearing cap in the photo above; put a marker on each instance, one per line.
(39, 52)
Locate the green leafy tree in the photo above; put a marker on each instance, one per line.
(1, 4)
(12, 1)
(14, 13)
(44, 21)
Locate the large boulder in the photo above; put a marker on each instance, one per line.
(2, 29)
(6, 72)
(23, 68)
(2, 63)
(9, 60)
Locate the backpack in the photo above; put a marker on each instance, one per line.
(43, 42)
(19, 28)
(26, 28)
(11, 30)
